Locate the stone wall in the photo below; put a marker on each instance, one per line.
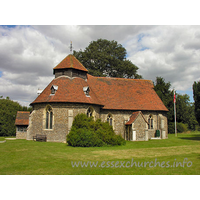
(21, 134)
(64, 113)
(121, 117)
(140, 126)
(119, 120)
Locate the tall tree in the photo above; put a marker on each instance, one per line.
(192, 122)
(166, 95)
(107, 58)
(196, 95)
(184, 109)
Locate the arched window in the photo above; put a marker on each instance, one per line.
(150, 122)
(90, 112)
(49, 118)
(109, 119)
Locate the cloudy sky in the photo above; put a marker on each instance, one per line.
(28, 54)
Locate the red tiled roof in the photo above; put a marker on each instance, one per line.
(111, 93)
(70, 62)
(126, 94)
(134, 117)
(69, 90)
(22, 118)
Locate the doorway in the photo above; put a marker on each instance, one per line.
(130, 133)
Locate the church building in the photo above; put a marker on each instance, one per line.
(130, 106)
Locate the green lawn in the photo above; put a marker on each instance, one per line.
(29, 157)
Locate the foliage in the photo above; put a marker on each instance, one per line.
(105, 132)
(107, 58)
(82, 137)
(184, 109)
(166, 95)
(86, 132)
(181, 128)
(8, 113)
(196, 95)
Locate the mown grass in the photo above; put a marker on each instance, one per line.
(29, 157)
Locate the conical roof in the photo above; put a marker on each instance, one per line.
(70, 62)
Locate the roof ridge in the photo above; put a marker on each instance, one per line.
(133, 118)
(116, 78)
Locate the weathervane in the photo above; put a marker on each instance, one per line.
(71, 47)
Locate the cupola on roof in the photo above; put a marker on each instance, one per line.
(70, 67)
(70, 62)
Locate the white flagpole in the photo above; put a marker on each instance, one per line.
(175, 113)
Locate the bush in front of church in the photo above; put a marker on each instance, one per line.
(83, 137)
(86, 132)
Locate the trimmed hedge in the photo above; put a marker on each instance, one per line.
(86, 132)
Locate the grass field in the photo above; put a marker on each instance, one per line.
(154, 157)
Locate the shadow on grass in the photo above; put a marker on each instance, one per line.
(191, 137)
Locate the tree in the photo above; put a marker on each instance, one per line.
(8, 113)
(192, 122)
(166, 95)
(196, 95)
(107, 58)
(184, 109)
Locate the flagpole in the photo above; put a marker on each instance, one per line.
(175, 113)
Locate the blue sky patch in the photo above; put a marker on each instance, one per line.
(188, 92)
(143, 48)
(140, 36)
(8, 26)
(0, 73)
(139, 40)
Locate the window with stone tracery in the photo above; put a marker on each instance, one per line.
(90, 112)
(110, 119)
(150, 122)
(49, 118)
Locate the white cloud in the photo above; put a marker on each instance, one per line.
(171, 52)
(29, 53)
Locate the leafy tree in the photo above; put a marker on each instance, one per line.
(196, 95)
(192, 122)
(8, 112)
(107, 58)
(166, 95)
(184, 109)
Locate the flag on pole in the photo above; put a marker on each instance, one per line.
(174, 97)
(175, 113)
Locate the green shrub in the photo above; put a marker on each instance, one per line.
(180, 127)
(83, 138)
(86, 132)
